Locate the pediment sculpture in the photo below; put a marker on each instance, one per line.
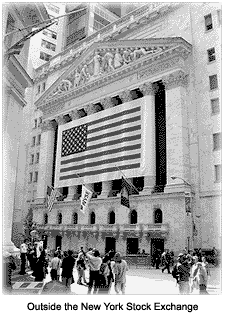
(101, 62)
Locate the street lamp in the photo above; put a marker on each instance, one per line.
(187, 209)
(185, 182)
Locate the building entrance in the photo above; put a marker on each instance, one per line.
(110, 244)
(157, 244)
(58, 241)
(132, 246)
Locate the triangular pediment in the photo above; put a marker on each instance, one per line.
(108, 58)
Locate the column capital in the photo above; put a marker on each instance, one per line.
(90, 109)
(60, 120)
(48, 126)
(107, 103)
(177, 78)
(74, 114)
(125, 96)
(147, 88)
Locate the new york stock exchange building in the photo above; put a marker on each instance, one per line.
(124, 101)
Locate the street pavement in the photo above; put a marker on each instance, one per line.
(138, 281)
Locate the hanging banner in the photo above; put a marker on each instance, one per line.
(85, 199)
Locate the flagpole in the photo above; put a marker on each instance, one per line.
(129, 182)
(85, 184)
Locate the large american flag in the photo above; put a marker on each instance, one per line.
(95, 147)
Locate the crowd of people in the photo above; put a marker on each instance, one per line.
(103, 271)
(191, 272)
(190, 268)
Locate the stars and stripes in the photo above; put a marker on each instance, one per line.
(94, 148)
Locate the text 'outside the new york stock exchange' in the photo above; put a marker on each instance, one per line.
(108, 306)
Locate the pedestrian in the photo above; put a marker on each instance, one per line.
(104, 272)
(67, 269)
(200, 274)
(183, 272)
(81, 267)
(59, 252)
(55, 266)
(167, 260)
(171, 258)
(23, 255)
(157, 258)
(95, 262)
(119, 269)
(40, 266)
(175, 273)
(194, 285)
(30, 256)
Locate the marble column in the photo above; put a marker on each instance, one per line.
(71, 193)
(106, 185)
(149, 98)
(46, 159)
(106, 189)
(177, 131)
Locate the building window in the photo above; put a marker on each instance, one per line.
(213, 82)
(44, 56)
(32, 159)
(39, 139)
(92, 218)
(217, 170)
(10, 26)
(43, 86)
(59, 218)
(157, 216)
(48, 45)
(34, 195)
(133, 217)
(40, 120)
(36, 176)
(50, 34)
(35, 123)
(215, 108)
(45, 219)
(29, 196)
(211, 54)
(30, 177)
(33, 141)
(38, 90)
(216, 141)
(208, 22)
(75, 218)
(37, 157)
(219, 17)
(111, 219)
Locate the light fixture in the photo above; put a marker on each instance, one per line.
(185, 182)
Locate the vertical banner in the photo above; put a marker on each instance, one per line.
(85, 199)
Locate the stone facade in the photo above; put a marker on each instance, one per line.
(155, 61)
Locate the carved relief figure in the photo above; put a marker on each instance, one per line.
(118, 60)
(108, 62)
(126, 56)
(97, 64)
(76, 79)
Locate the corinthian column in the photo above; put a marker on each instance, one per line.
(46, 159)
(125, 96)
(177, 142)
(107, 103)
(149, 102)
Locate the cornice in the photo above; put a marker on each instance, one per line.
(175, 47)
